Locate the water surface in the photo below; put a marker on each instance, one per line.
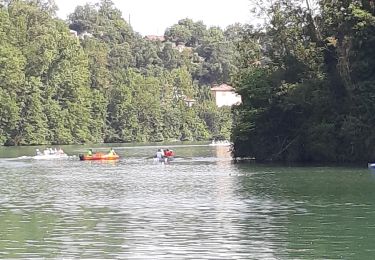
(200, 206)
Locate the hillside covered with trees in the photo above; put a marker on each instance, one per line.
(307, 80)
(94, 79)
(306, 77)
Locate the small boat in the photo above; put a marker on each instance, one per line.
(50, 156)
(220, 143)
(98, 156)
(371, 165)
(165, 159)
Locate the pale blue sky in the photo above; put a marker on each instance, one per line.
(154, 16)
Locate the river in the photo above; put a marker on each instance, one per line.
(200, 206)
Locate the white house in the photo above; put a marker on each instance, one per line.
(189, 101)
(85, 34)
(225, 95)
(80, 35)
(73, 33)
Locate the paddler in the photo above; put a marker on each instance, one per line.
(160, 154)
(112, 152)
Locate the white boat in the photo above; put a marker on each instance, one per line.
(371, 165)
(50, 156)
(220, 143)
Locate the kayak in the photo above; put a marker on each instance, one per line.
(98, 156)
(165, 159)
(169, 158)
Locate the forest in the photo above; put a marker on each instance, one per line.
(307, 80)
(93, 79)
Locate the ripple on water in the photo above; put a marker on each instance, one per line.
(203, 207)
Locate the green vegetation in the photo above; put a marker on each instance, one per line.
(107, 83)
(307, 80)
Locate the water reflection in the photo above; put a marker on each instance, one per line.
(319, 208)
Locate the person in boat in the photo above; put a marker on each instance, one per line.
(160, 154)
(168, 153)
(89, 153)
(112, 152)
(60, 151)
(38, 152)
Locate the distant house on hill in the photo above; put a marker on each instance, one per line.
(73, 33)
(155, 38)
(189, 101)
(85, 34)
(225, 95)
(182, 47)
(80, 35)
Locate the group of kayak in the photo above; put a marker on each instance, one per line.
(164, 155)
(161, 155)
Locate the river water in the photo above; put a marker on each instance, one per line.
(200, 206)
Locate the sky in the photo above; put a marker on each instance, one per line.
(152, 17)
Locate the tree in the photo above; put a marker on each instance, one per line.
(9, 116)
(32, 128)
(105, 83)
(303, 97)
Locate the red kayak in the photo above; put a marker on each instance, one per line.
(98, 156)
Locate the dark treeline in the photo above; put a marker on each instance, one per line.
(307, 81)
(108, 83)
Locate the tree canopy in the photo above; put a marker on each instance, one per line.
(92, 78)
(307, 82)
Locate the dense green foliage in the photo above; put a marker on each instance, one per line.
(307, 80)
(107, 83)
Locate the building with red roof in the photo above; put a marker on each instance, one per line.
(225, 95)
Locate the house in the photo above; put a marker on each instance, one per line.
(225, 95)
(81, 35)
(189, 101)
(73, 33)
(85, 34)
(181, 47)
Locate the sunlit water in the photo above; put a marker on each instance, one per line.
(200, 206)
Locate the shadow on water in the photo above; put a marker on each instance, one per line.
(323, 212)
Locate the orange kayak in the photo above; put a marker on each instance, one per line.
(98, 156)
